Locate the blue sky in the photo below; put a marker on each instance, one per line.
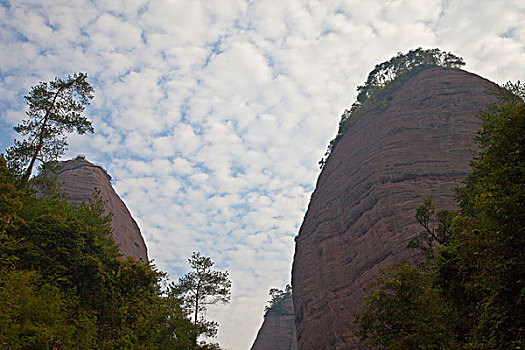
(211, 115)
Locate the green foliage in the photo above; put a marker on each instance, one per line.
(64, 285)
(63, 282)
(489, 255)
(10, 206)
(54, 108)
(202, 287)
(384, 79)
(475, 261)
(413, 61)
(405, 311)
(277, 298)
(36, 315)
(437, 228)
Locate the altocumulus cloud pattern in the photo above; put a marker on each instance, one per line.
(211, 116)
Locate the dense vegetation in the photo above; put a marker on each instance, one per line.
(469, 291)
(64, 285)
(384, 79)
(63, 282)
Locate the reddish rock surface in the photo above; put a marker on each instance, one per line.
(278, 330)
(361, 214)
(80, 178)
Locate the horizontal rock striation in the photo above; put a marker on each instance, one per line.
(278, 329)
(80, 179)
(361, 214)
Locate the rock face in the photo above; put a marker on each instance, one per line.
(80, 178)
(278, 329)
(361, 214)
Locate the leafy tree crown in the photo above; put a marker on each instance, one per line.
(54, 109)
(202, 287)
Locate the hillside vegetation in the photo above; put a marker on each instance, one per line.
(64, 285)
(63, 282)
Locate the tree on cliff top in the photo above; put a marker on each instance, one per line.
(278, 297)
(376, 92)
(397, 66)
(55, 108)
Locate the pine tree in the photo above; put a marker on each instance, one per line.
(54, 109)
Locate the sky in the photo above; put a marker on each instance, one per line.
(211, 115)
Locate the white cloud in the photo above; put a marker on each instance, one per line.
(110, 33)
(211, 115)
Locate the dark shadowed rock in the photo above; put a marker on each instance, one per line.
(361, 214)
(80, 178)
(278, 330)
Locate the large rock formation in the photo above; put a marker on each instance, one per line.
(361, 214)
(278, 329)
(80, 178)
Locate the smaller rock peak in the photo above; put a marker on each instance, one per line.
(80, 161)
(80, 178)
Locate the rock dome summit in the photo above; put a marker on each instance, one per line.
(361, 214)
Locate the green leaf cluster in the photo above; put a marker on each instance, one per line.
(405, 310)
(469, 291)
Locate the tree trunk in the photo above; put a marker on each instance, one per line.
(196, 312)
(29, 169)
